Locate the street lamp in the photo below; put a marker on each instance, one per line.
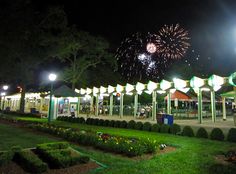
(52, 77)
(3, 94)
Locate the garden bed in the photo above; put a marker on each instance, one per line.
(46, 158)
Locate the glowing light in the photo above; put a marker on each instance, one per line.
(151, 86)
(82, 91)
(179, 83)
(5, 87)
(215, 80)
(232, 79)
(164, 85)
(129, 88)
(119, 88)
(77, 90)
(95, 91)
(151, 48)
(111, 89)
(88, 91)
(196, 82)
(3, 94)
(103, 90)
(139, 87)
(52, 77)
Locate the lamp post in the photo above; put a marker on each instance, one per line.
(3, 94)
(52, 77)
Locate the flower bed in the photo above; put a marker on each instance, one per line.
(122, 145)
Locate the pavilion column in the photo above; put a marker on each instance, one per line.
(135, 105)
(213, 106)
(91, 104)
(169, 102)
(154, 105)
(121, 105)
(41, 105)
(55, 108)
(224, 108)
(111, 105)
(78, 109)
(199, 98)
(97, 105)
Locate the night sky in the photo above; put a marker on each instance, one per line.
(211, 24)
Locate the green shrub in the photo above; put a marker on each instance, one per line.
(147, 126)
(188, 131)
(30, 162)
(95, 121)
(202, 133)
(155, 127)
(83, 159)
(106, 123)
(123, 124)
(138, 126)
(232, 135)
(165, 128)
(217, 134)
(81, 120)
(52, 146)
(175, 129)
(5, 157)
(131, 124)
(117, 123)
(88, 121)
(100, 122)
(111, 123)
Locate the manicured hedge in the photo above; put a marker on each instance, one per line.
(232, 135)
(6, 157)
(58, 155)
(202, 133)
(131, 124)
(165, 128)
(175, 129)
(138, 125)
(127, 146)
(155, 128)
(147, 126)
(217, 134)
(188, 131)
(30, 162)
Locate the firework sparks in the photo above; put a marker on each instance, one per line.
(151, 48)
(137, 62)
(172, 41)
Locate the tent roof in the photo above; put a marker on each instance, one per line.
(229, 94)
(65, 91)
(179, 95)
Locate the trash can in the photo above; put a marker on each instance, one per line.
(32, 110)
(160, 118)
(168, 119)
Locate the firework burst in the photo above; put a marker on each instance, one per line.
(172, 41)
(136, 61)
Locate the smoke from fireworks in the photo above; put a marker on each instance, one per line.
(136, 61)
(172, 41)
(149, 55)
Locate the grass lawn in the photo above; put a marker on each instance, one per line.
(12, 136)
(193, 155)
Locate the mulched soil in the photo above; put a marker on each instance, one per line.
(13, 168)
(76, 169)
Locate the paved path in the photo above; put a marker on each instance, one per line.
(206, 123)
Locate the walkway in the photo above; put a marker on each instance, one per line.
(207, 122)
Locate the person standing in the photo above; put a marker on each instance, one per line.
(72, 111)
